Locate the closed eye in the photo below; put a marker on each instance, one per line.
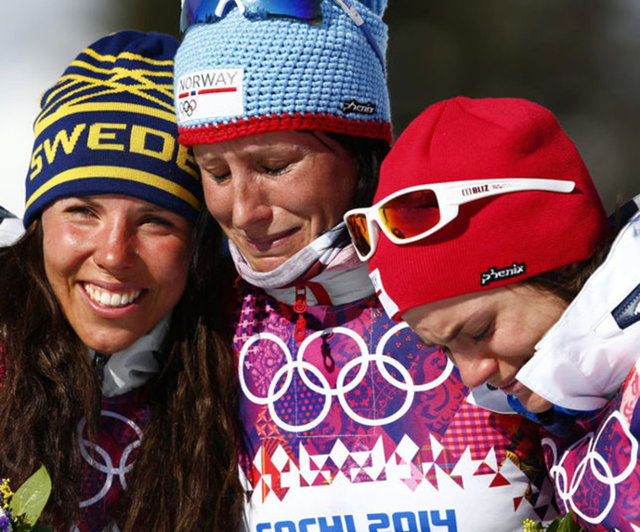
(275, 170)
(484, 333)
(157, 220)
(220, 178)
(219, 174)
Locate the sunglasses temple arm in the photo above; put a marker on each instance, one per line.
(557, 186)
(220, 8)
(357, 19)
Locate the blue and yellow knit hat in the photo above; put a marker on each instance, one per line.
(108, 126)
(247, 71)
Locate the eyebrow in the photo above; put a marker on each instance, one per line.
(152, 207)
(148, 207)
(452, 335)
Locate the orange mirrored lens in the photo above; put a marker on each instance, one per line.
(411, 214)
(357, 224)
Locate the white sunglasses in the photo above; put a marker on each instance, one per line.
(417, 212)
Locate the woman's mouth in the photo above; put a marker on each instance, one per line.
(510, 387)
(265, 243)
(111, 299)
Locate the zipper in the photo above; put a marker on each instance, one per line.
(300, 307)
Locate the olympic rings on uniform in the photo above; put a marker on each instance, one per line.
(343, 387)
(325, 408)
(107, 467)
(418, 388)
(380, 360)
(592, 462)
(363, 368)
(243, 353)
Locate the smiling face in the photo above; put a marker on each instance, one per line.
(275, 193)
(490, 335)
(116, 264)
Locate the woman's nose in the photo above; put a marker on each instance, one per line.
(250, 205)
(115, 246)
(474, 369)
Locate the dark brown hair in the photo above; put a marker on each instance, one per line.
(368, 155)
(185, 476)
(568, 280)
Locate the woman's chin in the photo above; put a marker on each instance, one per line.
(534, 402)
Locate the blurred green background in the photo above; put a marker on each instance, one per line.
(581, 59)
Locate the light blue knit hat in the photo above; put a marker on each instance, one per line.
(242, 76)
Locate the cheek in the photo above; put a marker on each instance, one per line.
(61, 255)
(531, 335)
(341, 194)
(218, 200)
(170, 273)
(330, 200)
(60, 272)
(56, 274)
(512, 347)
(535, 403)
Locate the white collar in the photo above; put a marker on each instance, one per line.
(11, 229)
(132, 367)
(343, 276)
(589, 351)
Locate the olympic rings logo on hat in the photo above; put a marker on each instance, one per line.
(187, 107)
(280, 382)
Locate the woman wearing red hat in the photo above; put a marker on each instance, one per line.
(507, 264)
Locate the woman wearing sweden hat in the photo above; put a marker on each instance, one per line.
(507, 265)
(111, 374)
(351, 423)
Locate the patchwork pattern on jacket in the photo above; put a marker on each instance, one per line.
(597, 471)
(355, 425)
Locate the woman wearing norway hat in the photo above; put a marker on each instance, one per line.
(351, 423)
(112, 374)
(502, 240)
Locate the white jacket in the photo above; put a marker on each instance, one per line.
(10, 228)
(583, 359)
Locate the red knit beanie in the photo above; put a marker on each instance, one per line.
(497, 240)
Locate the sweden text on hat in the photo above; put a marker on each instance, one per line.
(108, 126)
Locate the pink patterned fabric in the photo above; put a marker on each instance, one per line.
(108, 457)
(360, 427)
(597, 473)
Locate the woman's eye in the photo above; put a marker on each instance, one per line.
(80, 210)
(275, 169)
(482, 334)
(218, 175)
(157, 220)
(219, 178)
